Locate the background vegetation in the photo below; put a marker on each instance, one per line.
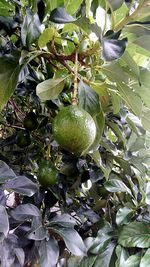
(97, 213)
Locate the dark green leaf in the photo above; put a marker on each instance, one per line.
(31, 29)
(64, 220)
(72, 240)
(115, 185)
(88, 99)
(133, 261)
(113, 48)
(9, 73)
(105, 257)
(122, 256)
(6, 172)
(49, 252)
(135, 234)
(4, 223)
(124, 215)
(59, 15)
(25, 211)
(22, 185)
(145, 261)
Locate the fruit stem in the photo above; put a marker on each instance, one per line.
(75, 88)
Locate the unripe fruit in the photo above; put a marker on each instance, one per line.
(47, 175)
(74, 129)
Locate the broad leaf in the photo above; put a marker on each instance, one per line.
(25, 211)
(146, 118)
(19, 253)
(122, 256)
(72, 6)
(135, 234)
(59, 15)
(4, 223)
(38, 231)
(145, 261)
(72, 240)
(48, 35)
(147, 194)
(112, 47)
(64, 220)
(105, 257)
(31, 29)
(88, 99)
(133, 261)
(131, 99)
(9, 73)
(124, 215)
(49, 253)
(22, 185)
(115, 185)
(50, 89)
(6, 172)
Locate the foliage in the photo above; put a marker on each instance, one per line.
(52, 54)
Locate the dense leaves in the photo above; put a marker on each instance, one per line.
(94, 54)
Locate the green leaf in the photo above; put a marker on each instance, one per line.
(6, 172)
(114, 72)
(72, 6)
(115, 185)
(37, 231)
(22, 185)
(131, 99)
(146, 118)
(124, 215)
(112, 47)
(6, 8)
(133, 261)
(59, 15)
(72, 240)
(145, 261)
(4, 223)
(49, 253)
(64, 220)
(31, 29)
(102, 240)
(147, 193)
(143, 41)
(104, 258)
(122, 256)
(88, 99)
(48, 35)
(116, 102)
(51, 4)
(131, 64)
(9, 73)
(135, 234)
(25, 211)
(50, 89)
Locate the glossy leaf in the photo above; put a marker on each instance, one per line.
(104, 258)
(124, 215)
(50, 89)
(133, 261)
(145, 261)
(59, 15)
(25, 211)
(49, 252)
(6, 172)
(115, 185)
(4, 223)
(135, 234)
(72, 6)
(9, 73)
(22, 185)
(88, 99)
(72, 240)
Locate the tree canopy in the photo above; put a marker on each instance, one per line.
(59, 208)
